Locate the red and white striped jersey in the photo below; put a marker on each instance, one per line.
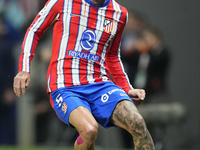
(86, 41)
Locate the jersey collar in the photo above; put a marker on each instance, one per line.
(102, 5)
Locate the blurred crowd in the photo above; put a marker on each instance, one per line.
(144, 53)
(15, 16)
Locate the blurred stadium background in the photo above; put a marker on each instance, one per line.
(22, 122)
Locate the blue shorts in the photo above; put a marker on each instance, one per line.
(99, 98)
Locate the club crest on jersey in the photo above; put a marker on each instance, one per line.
(64, 108)
(88, 39)
(108, 25)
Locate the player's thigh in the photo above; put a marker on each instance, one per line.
(125, 114)
(82, 119)
(72, 109)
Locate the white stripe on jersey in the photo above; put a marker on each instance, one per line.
(116, 17)
(82, 28)
(118, 12)
(31, 34)
(64, 42)
(48, 82)
(99, 29)
(103, 54)
(124, 70)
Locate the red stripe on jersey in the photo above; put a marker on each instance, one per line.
(57, 36)
(92, 21)
(91, 24)
(104, 38)
(74, 29)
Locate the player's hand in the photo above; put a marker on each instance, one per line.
(21, 82)
(137, 95)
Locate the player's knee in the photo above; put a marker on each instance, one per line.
(138, 126)
(90, 134)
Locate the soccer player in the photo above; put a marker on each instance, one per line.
(85, 53)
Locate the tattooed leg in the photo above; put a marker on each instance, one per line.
(127, 117)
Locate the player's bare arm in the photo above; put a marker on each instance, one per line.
(21, 82)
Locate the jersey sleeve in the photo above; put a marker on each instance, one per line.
(42, 21)
(114, 62)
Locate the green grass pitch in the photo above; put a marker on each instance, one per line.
(62, 148)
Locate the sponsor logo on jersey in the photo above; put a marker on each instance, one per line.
(88, 39)
(122, 94)
(104, 98)
(64, 108)
(83, 55)
(114, 90)
(108, 25)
